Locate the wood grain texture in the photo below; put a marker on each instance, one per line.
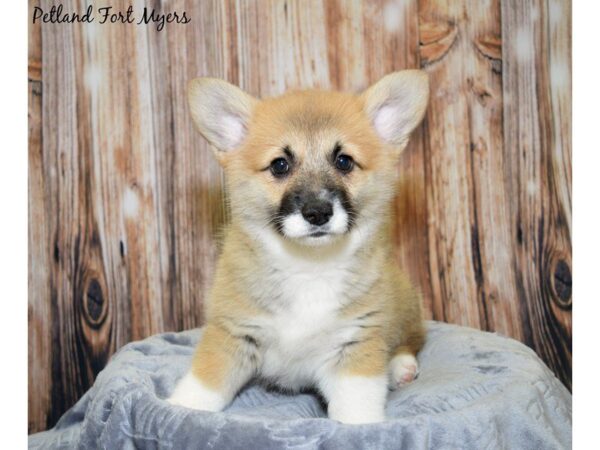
(40, 328)
(537, 134)
(126, 202)
(467, 200)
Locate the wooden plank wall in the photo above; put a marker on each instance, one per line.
(126, 202)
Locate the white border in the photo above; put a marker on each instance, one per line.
(586, 224)
(13, 236)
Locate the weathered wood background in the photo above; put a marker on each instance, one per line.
(126, 202)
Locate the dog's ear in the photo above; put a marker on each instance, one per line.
(221, 112)
(396, 104)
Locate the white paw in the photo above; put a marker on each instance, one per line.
(191, 393)
(403, 369)
(357, 399)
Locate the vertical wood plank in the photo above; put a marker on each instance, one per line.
(293, 35)
(205, 49)
(69, 236)
(345, 44)
(39, 263)
(446, 144)
(461, 48)
(537, 128)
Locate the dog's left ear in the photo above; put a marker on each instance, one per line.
(221, 112)
(396, 104)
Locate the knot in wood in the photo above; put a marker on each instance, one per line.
(94, 304)
(562, 284)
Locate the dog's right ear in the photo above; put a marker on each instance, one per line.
(396, 104)
(221, 112)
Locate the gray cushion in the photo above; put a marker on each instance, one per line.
(475, 390)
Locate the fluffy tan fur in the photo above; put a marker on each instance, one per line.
(379, 311)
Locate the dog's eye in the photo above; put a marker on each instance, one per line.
(344, 163)
(279, 167)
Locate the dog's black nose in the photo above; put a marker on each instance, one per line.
(317, 212)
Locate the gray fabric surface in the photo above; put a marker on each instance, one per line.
(475, 390)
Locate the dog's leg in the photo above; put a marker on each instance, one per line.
(221, 365)
(356, 389)
(403, 367)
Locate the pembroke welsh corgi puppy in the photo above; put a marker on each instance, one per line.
(306, 291)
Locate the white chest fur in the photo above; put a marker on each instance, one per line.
(303, 334)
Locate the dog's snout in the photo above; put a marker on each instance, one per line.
(317, 212)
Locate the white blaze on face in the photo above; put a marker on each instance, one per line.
(295, 226)
(338, 224)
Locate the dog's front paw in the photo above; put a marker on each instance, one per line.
(191, 393)
(403, 369)
(358, 399)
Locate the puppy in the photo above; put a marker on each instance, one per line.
(306, 291)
